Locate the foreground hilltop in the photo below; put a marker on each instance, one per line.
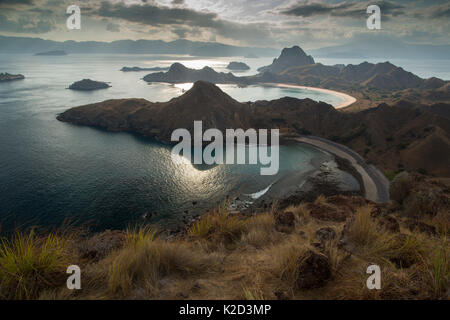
(394, 137)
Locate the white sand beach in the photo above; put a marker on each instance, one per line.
(348, 100)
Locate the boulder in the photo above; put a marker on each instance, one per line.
(325, 234)
(284, 221)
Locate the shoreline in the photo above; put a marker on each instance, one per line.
(348, 99)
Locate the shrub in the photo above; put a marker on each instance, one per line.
(401, 187)
(143, 266)
(421, 203)
(218, 226)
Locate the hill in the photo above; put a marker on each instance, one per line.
(394, 137)
(178, 73)
(290, 57)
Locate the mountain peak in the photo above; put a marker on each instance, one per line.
(290, 57)
(294, 51)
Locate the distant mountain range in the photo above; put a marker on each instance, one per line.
(211, 49)
(383, 48)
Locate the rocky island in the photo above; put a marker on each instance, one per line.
(136, 69)
(4, 77)
(178, 73)
(52, 53)
(88, 85)
(238, 66)
(371, 84)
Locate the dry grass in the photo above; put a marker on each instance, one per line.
(29, 264)
(234, 257)
(143, 266)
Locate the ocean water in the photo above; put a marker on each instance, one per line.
(51, 172)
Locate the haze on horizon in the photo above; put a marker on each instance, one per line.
(264, 23)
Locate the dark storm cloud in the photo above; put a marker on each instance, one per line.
(154, 15)
(158, 16)
(442, 11)
(342, 9)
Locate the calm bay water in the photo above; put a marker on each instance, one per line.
(52, 171)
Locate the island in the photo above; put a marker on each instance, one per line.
(136, 69)
(88, 85)
(4, 77)
(238, 66)
(52, 53)
(398, 134)
(178, 73)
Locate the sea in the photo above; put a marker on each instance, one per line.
(54, 174)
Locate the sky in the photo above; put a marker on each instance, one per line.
(263, 23)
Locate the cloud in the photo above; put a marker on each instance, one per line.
(341, 9)
(153, 15)
(442, 11)
(25, 25)
(160, 16)
(177, 2)
(27, 2)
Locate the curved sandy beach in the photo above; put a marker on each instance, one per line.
(376, 185)
(348, 100)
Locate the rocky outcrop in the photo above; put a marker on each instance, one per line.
(4, 77)
(325, 234)
(88, 85)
